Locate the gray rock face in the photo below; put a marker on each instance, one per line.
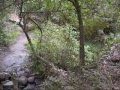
(31, 79)
(8, 85)
(30, 87)
(22, 80)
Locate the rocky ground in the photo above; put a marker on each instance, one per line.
(25, 81)
(14, 72)
(110, 67)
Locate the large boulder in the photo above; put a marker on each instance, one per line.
(31, 80)
(8, 85)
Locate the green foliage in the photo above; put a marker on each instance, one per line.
(38, 67)
(111, 40)
(92, 52)
(58, 45)
(91, 27)
(32, 5)
(11, 36)
(8, 38)
(52, 83)
(7, 34)
(2, 36)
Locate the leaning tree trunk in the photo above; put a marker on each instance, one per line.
(26, 34)
(22, 16)
(81, 32)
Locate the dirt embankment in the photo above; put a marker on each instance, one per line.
(110, 68)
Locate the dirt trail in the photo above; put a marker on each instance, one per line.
(14, 71)
(17, 55)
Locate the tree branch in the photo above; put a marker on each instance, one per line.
(37, 26)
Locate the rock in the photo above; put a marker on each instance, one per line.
(28, 73)
(21, 73)
(69, 88)
(21, 87)
(115, 58)
(30, 87)
(31, 80)
(2, 76)
(116, 88)
(24, 72)
(116, 53)
(8, 85)
(22, 80)
(5, 76)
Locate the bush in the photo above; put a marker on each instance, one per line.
(58, 45)
(2, 37)
(8, 32)
(91, 27)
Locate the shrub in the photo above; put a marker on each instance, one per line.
(91, 27)
(58, 45)
(2, 37)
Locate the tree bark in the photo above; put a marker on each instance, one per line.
(26, 34)
(81, 32)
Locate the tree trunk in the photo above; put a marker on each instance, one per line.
(81, 32)
(26, 34)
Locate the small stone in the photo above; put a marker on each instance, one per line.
(2, 76)
(21, 73)
(116, 88)
(27, 71)
(21, 87)
(116, 53)
(31, 79)
(22, 80)
(30, 87)
(7, 76)
(69, 88)
(8, 85)
(115, 58)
